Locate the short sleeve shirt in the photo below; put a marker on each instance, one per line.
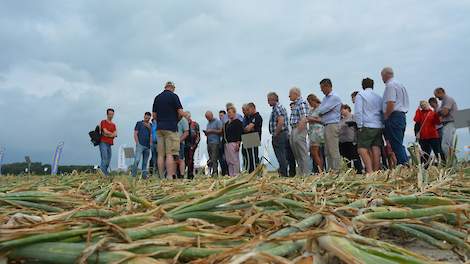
(166, 105)
(257, 120)
(143, 133)
(396, 92)
(449, 103)
(183, 125)
(214, 138)
(111, 127)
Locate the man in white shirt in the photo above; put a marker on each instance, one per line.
(395, 106)
(368, 116)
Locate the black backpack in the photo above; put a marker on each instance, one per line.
(95, 136)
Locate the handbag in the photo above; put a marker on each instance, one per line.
(95, 136)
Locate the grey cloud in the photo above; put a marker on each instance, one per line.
(64, 62)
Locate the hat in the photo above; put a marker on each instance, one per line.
(170, 84)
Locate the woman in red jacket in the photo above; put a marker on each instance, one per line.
(427, 135)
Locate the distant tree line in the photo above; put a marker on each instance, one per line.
(39, 169)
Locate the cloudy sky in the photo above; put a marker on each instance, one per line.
(64, 62)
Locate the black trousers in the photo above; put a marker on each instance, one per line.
(189, 158)
(427, 145)
(348, 150)
(252, 158)
(222, 161)
(290, 160)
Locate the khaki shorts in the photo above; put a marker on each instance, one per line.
(368, 137)
(168, 143)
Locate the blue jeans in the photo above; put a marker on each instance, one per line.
(395, 127)
(279, 145)
(105, 152)
(141, 152)
(154, 159)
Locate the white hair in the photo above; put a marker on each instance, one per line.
(388, 70)
(295, 90)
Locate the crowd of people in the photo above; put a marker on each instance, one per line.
(322, 132)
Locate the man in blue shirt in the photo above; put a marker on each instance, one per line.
(213, 133)
(153, 161)
(167, 109)
(143, 140)
(330, 113)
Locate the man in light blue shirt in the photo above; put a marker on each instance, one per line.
(330, 112)
(395, 106)
(213, 133)
(368, 116)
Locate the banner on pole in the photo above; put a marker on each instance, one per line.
(2, 151)
(57, 155)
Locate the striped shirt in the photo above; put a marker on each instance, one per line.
(278, 110)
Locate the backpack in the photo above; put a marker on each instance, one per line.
(95, 136)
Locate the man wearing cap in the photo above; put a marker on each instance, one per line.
(167, 109)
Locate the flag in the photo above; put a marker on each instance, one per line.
(57, 155)
(2, 151)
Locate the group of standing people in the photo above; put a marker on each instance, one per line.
(368, 138)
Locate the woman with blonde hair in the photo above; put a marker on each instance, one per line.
(233, 130)
(427, 135)
(315, 131)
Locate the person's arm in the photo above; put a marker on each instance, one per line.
(417, 118)
(358, 111)
(390, 97)
(107, 133)
(182, 113)
(184, 136)
(303, 117)
(445, 108)
(240, 133)
(198, 136)
(327, 105)
(279, 124)
(389, 109)
(249, 127)
(136, 137)
(154, 109)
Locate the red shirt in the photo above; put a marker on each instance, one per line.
(428, 120)
(111, 127)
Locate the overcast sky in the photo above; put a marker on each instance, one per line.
(63, 63)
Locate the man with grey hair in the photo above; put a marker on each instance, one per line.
(447, 112)
(213, 133)
(298, 123)
(395, 106)
(279, 129)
